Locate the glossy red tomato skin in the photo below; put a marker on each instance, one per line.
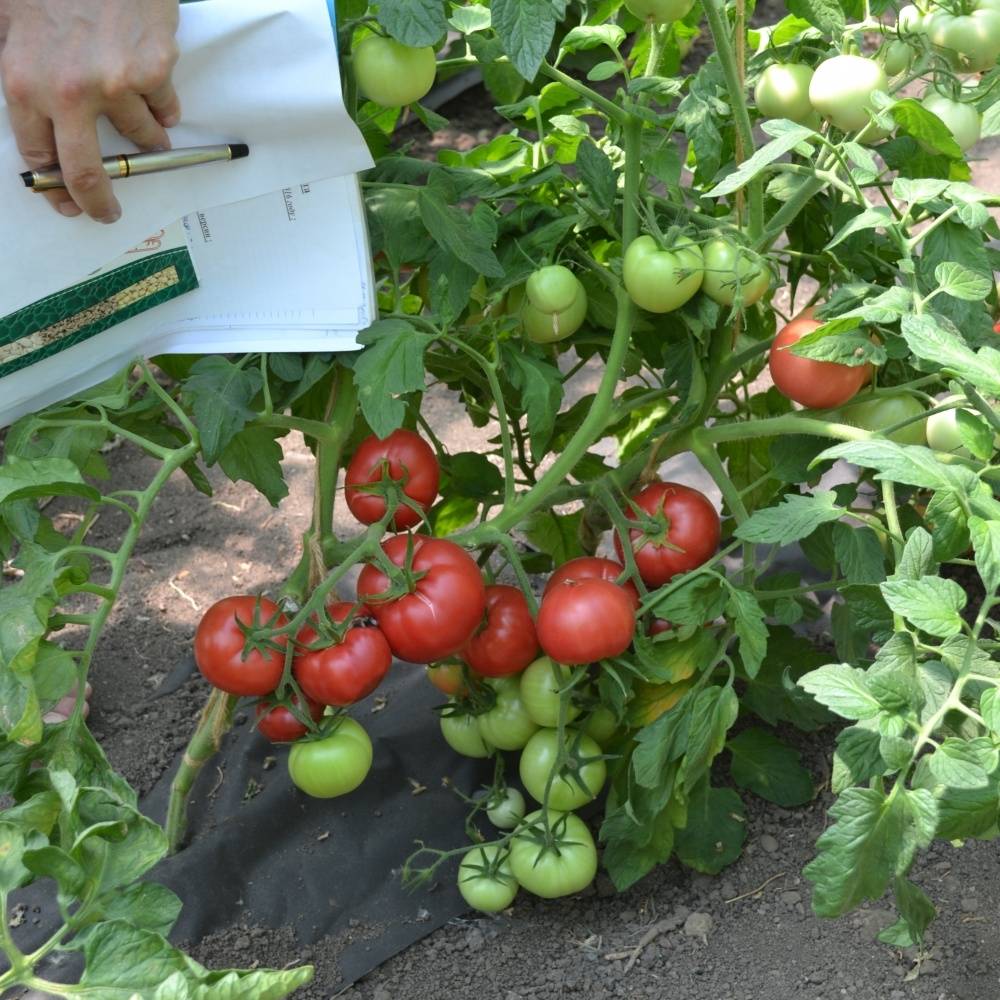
(694, 529)
(444, 609)
(818, 385)
(507, 642)
(408, 456)
(585, 621)
(219, 645)
(592, 568)
(277, 723)
(347, 671)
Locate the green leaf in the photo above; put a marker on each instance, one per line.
(712, 713)
(977, 436)
(747, 616)
(856, 759)
(696, 601)
(826, 15)
(526, 29)
(930, 603)
(597, 174)
(541, 389)
(917, 559)
(147, 905)
(254, 456)
(769, 768)
(470, 474)
(220, 393)
(961, 283)
(792, 519)
(859, 553)
(589, 36)
(932, 342)
(392, 363)
(915, 120)
(874, 839)
(843, 689)
(916, 912)
(474, 17)
(416, 23)
(715, 831)
(910, 465)
(557, 535)
(964, 763)
(669, 661)
(42, 477)
(986, 543)
(458, 233)
(870, 218)
(989, 709)
(12, 870)
(945, 517)
(791, 136)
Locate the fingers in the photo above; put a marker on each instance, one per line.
(80, 162)
(37, 145)
(134, 119)
(63, 708)
(165, 104)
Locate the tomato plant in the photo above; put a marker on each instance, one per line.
(541, 685)
(733, 274)
(553, 861)
(332, 765)
(226, 652)
(485, 879)
(571, 771)
(506, 809)
(506, 642)
(662, 279)
(507, 724)
(408, 459)
(585, 621)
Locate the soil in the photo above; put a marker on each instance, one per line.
(745, 935)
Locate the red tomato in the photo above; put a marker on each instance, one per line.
(443, 605)
(818, 385)
(347, 671)
(688, 536)
(592, 568)
(586, 620)
(222, 653)
(506, 642)
(277, 723)
(410, 460)
(659, 625)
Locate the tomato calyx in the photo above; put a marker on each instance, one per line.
(547, 838)
(331, 630)
(489, 864)
(392, 491)
(651, 529)
(403, 579)
(260, 634)
(572, 760)
(327, 726)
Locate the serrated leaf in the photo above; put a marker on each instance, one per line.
(597, 174)
(911, 465)
(254, 456)
(416, 23)
(870, 218)
(856, 759)
(916, 912)
(747, 616)
(859, 553)
(715, 831)
(712, 713)
(826, 15)
(963, 763)
(843, 689)
(457, 232)
(540, 384)
(874, 839)
(986, 544)
(220, 393)
(976, 434)
(769, 768)
(525, 29)
(930, 603)
(794, 518)
(932, 342)
(961, 283)
(989, 709)
(917, 558)
(792, 135)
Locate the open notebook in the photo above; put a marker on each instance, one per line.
(281, 263)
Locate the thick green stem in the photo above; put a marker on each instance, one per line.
(216, 718)
(340, 416)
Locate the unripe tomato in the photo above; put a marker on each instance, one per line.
(896, 57)
(842, 88)
(448, 678)
(911, 21)
(585, 621)
(570, 790)
(942, 428)
(659, 11)
(818, 385)
(485, 879)
(687, 537)
(507, 725)
(558, 869)
(662, 280)
(333, 765)
(547, 328)
(406, 458)
(883, 411)
(733, 273)
(392, 74)
(783, 91)
(461, 733)
(601, 725)
(963, 121)
(552, 289)
(972, 39)
(540, 687)
(506, 810)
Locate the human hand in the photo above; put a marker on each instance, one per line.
(64, 64)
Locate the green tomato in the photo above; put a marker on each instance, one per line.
(842, 89)
(569, 790)
(392, 74)
(783, 91)
(557, 862)
(911, 21)
(973, 40)
(963, 121)
(507, 725)
(883, 411)
(660, 11)
(506, 810)
(540, 684)
(547, 328)
(733, 273)
(552, 289)
(896, 57)
(333, 765)
(485, 879)
(662, 280)
(601, 725)
(942, 428)
(461, 733)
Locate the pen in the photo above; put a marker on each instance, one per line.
(129, 164)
